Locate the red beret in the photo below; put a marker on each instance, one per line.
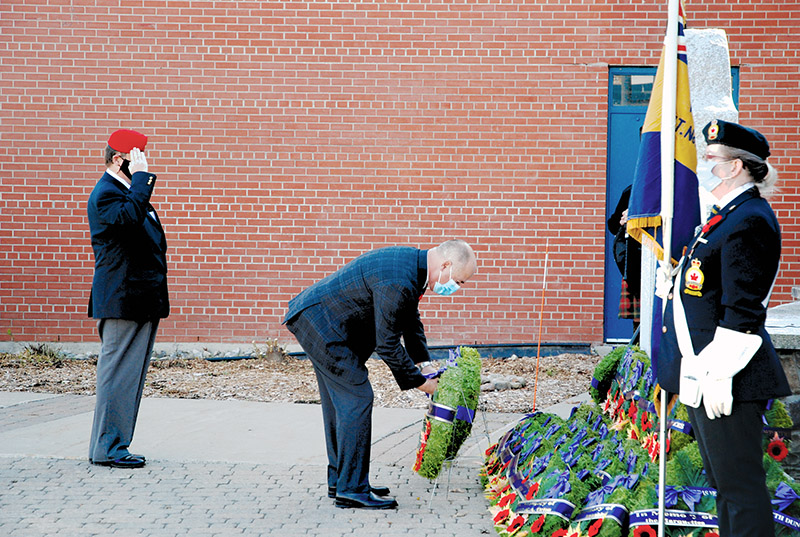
(124, 140)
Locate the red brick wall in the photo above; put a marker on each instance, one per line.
(289, 137)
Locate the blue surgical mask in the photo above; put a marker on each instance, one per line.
(446, 289)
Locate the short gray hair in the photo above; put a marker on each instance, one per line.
(457, 252)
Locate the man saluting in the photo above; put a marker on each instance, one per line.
(129, 293)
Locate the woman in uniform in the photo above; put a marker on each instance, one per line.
(715, 351)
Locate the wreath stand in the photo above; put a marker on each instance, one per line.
(449, 462)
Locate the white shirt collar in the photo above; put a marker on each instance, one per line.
(118, 178)
(730, 196)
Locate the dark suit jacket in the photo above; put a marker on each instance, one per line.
(130, 268)
(738, 265)
(366, 306)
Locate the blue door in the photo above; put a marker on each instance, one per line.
(629, 91)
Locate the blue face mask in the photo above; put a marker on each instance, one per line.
(446, 289)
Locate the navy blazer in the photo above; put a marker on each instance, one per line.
(130, 267)
(367, 306)
(730, 269)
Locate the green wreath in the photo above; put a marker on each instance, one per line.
(450, 415)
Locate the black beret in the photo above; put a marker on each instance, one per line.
(735, 135)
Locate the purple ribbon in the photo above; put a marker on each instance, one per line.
(553, 428)
(617, 513)
(603, 431)
(681, 426)
(602, 465)
(689, 496)
(540, 463)
(632, 457)
(784, 496)
(597, 451)
(453, 355)
(597, 423)
(560, 508)
(447, 414)
(465, 414)
(561, 487)
(435, 374)
(786, 520)
(598, 496)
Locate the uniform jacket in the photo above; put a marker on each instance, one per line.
(726, 282)
(130, 268)
(367, 306)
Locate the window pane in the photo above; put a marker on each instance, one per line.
(632, 90)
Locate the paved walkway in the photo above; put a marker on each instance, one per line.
(218, 468)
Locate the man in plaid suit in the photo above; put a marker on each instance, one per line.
(365, 307)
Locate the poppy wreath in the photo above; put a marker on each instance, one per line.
(605, 457)
(544, 471)
(449, 420)
(785, 495)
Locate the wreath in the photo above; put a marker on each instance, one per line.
(448, 421)
(595, 474)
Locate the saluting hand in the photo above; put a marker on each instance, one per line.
(138, 161)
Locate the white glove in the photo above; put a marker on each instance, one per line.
(665, 277)
(718, 397)
(727, 354)
(138, 161)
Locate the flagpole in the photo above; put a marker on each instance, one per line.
(668, 112)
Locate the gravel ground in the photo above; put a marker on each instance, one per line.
(292, 380)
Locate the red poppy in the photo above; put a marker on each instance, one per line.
(632, 411)
(644, 531)
(594, 529)
(490, 450)
(559, 533)
(507, 499)
(531, 491)
(646, 423)
(711, 223)
(777, 450)
(502, 515)
(537, 524)
(711, 534)
(422, 445)
(516, 524)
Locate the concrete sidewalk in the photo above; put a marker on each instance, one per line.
(225, 468)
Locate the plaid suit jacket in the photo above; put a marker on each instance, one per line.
(365, 307)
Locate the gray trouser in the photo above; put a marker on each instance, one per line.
(121, 369)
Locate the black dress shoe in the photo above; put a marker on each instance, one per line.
(364, 501)
(128, 461)
(377, 491)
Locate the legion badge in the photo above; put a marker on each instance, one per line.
(713, 130)
(693, 279)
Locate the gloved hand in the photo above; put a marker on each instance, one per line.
(718, 397)
(138, 161)
(665, 277)
(727, 354)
